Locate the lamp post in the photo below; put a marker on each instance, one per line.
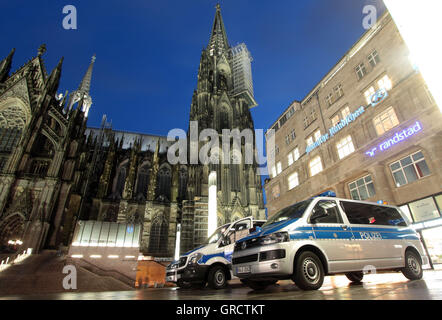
(212, 216)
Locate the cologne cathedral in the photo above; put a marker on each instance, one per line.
(55, 170)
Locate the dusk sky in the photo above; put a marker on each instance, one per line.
(148, 52)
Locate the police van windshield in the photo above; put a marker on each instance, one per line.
(293, 212)
(217, 234)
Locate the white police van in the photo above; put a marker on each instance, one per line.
(327, 235)
(211, 262)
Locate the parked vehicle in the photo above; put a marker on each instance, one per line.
(211, 262)
(325, 236)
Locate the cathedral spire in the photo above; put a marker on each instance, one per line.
(5, 66)
(82, 94)
(218, 38)
(85, 85)
(54, 79)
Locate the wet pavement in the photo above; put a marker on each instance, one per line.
(388, 286)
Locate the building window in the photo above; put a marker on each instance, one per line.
(309, 140)
(315, 166)
(287, 140)
(276, 127)
(374, 59)
(362, 189)
(276, 192)
(313, 114)
(361, 71)
(335, 120)
(339, 91)
(159, 233)
(296, 154)
(345, 112)
(290, 112)
(293, 180)
(293, 134)
(317, 135)
(164, 183)
(276, 150)
(345, 147)
(9, 138)
(329, 99)
(293, 156)
(385, 121)
(274, 171)
(278, 168)
(409, 169)
(290, 159)
(368, 94)
(430, 96)
(385, 83)
(2, 162)
(306, 123)
(142, 182)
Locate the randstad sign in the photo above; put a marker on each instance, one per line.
(398, 137)
(375, 99)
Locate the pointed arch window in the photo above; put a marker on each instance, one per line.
(224, 119)
(182, 191)
(12, 124)
(121, 180)
(164, 183)
(235, 167)
(159, 235)
(143, 181)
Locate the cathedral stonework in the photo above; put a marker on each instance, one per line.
(55, 171)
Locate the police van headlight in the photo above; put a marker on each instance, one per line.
(273, 238)
(194, 259)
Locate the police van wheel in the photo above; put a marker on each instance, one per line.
(413, 266)
(217, 278)
(355, 276)
(309, 272)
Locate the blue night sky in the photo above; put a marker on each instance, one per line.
(148, 51)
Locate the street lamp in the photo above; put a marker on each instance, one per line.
(419, 23)
(212, 214)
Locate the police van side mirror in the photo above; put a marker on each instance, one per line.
(224, 241)
(318, 214)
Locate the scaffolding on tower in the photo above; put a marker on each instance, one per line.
(242, 74)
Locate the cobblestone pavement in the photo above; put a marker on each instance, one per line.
(389, 286)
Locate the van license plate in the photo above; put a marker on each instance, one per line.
(245, 269)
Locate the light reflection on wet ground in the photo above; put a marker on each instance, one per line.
(389, 286)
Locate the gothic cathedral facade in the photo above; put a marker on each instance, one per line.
(55, 171)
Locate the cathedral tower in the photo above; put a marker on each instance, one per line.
(222, 101)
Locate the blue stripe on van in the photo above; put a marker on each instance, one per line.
(336, 232)
(227, 256)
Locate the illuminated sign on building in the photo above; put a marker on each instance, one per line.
(378, 97)
(398, 137)
(375, 99)
(334, 130)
